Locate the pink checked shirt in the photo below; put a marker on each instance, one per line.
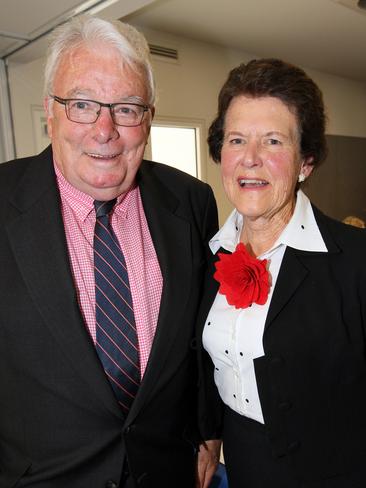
(131, 229)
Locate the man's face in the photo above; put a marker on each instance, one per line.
(100, 159)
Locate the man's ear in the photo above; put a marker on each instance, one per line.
(152, 110)
(47, 105)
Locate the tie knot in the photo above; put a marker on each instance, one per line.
(103, 208)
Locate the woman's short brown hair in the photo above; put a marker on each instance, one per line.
(290, 84)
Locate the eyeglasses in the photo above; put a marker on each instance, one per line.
(88, 111)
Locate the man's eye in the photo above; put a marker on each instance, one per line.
(125, 110)
(80, 105)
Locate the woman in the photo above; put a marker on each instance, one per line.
(286, 330)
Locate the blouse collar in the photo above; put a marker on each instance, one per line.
(302, 231)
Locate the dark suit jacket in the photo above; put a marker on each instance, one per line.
(312, 379)
(60, 425)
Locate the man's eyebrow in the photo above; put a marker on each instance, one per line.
(77, 92)
(87, 95)
(133, 99)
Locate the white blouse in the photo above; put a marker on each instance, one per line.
(233, 337)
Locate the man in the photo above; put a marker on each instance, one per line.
(72, 415)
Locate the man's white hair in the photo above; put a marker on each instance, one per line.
(89, 30)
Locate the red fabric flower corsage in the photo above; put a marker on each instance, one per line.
(243, 279)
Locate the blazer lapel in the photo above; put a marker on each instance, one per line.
(292, 274)
(295, 268)
(171, 237)
(210, 292)
(36, 235)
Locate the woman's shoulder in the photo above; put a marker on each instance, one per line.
(344, 235)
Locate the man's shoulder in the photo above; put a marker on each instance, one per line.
(12, 172)
(160, 183)
(15, 165)
(169, 175)
(21, 164)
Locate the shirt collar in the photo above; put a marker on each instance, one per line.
(228, 236)
(302, 231)
(83, 204)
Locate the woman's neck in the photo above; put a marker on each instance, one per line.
(260, 234)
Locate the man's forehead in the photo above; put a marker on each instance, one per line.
(87, 72)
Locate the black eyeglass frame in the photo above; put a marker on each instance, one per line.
(64, 101)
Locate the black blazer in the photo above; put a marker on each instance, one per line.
(312, 378)
(60, 425)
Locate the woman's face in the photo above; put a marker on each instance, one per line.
(260, 157)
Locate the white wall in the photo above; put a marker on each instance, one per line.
(26, 89)
(189, 89)
(6, 130)
(345, 101)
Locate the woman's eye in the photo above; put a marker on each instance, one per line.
(273, 142)
(236, 140)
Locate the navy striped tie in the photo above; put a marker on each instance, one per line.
(116, 338)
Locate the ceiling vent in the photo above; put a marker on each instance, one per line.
(164, 52)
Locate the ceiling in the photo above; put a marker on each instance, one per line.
(326, 35)
(24, 23)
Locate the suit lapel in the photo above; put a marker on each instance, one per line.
(292, 274)
(171, 237)
(295, 268)
(210, 291)
(37, 238)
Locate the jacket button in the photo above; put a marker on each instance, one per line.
(128, 430)
(293, 446)
(284, 406)
(141, 479)
(277, 360)
(111, 484)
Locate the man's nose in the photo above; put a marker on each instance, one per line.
(104, 128)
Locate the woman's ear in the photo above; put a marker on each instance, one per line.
(307, 167)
